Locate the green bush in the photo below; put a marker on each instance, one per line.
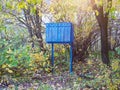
(13, 56)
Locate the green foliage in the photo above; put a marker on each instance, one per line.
(112, 13)
(14, 52)
(0, 6)
(118, 50)
(17, 59)
(2, 26)
(12, 57)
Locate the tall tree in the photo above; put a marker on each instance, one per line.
(102, 17)
(29, 13)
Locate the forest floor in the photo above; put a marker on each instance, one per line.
(86, 76)
(65, 81)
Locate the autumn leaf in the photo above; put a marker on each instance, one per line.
(96, 13)
(22, 5)
(89, 62)
(9, 51)
(4, 66)
(10, 71)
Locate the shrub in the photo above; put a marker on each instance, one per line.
(40, 62)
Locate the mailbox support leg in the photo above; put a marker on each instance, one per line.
(52, 58)
(71, 58)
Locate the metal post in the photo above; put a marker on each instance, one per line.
(52, 58)
(71, 59)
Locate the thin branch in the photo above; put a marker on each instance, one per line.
(18, 18)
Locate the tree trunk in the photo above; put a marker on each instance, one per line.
(38, 21)
(28, 25)
(103, 24)
(33, 23)
(104, 42)
(102, 19)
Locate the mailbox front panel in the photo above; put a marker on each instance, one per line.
(59, 33)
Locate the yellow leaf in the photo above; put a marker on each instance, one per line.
(51, 9)
(4, 66)
(22, 5)
(63, 50)
(40, 14)
(9, 51)
(89, 62)
(47, 69)
(79, 79)
(10, 71)
(96, 12)
(44, 63)
(30, 64)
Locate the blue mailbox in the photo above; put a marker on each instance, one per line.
(61, 32)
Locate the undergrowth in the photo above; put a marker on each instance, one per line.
(19, 66)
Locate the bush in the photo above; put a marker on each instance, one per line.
(13, 60)
(40, 62)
